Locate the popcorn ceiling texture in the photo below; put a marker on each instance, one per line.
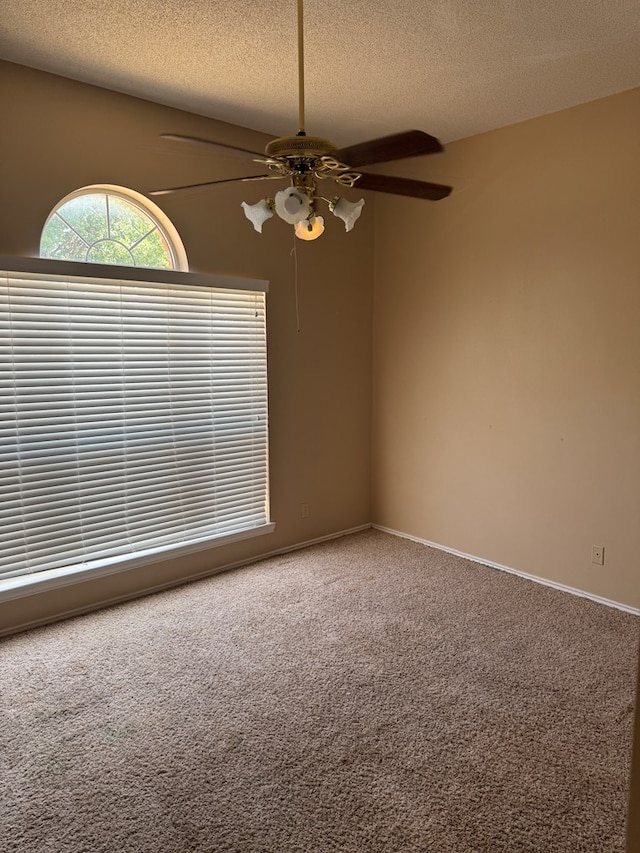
(452, 67)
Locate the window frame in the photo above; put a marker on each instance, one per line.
(41, 581)
(151, 210)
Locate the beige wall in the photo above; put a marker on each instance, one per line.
(507, 350)
(64, 135)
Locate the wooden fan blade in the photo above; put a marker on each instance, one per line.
(410, 143)
(211, 183)
(221, 147)
(402, 186)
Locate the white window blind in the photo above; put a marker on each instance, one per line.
(133, 415)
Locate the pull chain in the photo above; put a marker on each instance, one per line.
(294, 254)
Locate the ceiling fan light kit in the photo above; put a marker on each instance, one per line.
(296, 206)
(309, 229)
(258, 213)
(293, 205)
(348, 211)
(306, 161)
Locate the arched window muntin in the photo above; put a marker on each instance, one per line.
(108, 224)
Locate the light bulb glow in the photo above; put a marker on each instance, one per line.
(310, 229)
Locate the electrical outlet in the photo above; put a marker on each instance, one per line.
(597, 555)
(304, 511)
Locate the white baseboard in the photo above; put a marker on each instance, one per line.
(80, 611)
(559, 586)
(119, 599)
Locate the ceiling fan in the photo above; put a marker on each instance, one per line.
(306, 161)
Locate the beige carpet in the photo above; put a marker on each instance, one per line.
(367, 694)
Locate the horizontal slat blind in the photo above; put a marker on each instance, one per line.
(132, 415)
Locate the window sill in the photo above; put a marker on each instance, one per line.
(38, 582)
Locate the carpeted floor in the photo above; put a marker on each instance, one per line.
(367, 694)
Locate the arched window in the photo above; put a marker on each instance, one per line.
(136, 403)
(105, 224)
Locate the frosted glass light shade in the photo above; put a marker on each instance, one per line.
(292, 205)
(348, 211)
(310, 229)
(258, 213)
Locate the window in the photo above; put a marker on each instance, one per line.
(104, 224)
(133, 414)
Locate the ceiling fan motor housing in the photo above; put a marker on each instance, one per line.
(298, 146)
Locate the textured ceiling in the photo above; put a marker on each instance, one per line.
(451, 67)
